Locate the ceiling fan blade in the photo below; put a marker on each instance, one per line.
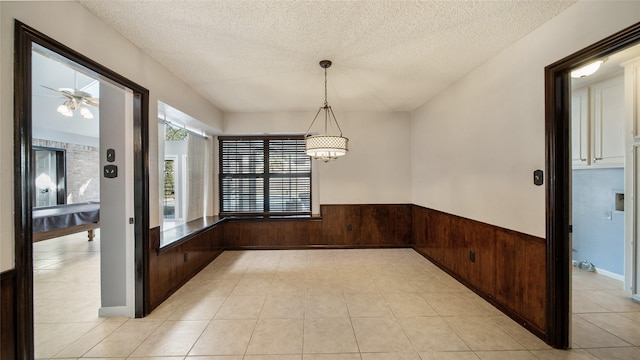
(67, 92)
(52, 89)
(91, 101)
(81, 94)
(64, 92)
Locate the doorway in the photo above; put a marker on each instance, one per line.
(66, 118)
(598, 165)
(25, 40)
(558, 167)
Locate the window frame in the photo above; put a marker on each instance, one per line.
(265, 175)
(61, 173)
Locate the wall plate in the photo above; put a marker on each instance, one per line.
(538, 177)
(111, 155)
(110, 171)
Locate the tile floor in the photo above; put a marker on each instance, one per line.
(311, 305)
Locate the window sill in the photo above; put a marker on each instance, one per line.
(172, 237)
(272, 217)
(175, 236)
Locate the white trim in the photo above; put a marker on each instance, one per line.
(610, 274)
(114, 311)
(184, 189)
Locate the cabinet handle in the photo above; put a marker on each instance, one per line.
(596, 159)
(581, 159)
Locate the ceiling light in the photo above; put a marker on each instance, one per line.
(64, 109)
(85, 112)
(326, 146)
(587, 70)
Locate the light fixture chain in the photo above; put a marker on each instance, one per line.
(326, 119)
(325, 87)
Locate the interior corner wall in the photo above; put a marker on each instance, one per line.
(377, 168)
(476, 145)
(6, 148)
(63, 21)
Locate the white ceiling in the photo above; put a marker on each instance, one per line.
(249, 56)
(48, 70)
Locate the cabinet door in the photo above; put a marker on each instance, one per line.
(580, 127)
(608, 107)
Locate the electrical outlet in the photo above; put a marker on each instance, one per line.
(186, 256)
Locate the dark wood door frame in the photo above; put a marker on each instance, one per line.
(25, 37)
(558, 165)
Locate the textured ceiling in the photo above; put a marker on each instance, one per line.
(248, 56)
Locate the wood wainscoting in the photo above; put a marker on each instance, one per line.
(505, 267)
(340, 226)
(173, 265)
(7, 315)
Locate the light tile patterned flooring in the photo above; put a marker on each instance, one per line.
(311, 305)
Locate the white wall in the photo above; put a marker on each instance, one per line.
(116, 204)
(475, 146)
(375, 171)
(71, 24)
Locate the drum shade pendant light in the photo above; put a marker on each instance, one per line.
(326, 146)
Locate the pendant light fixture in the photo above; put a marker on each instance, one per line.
(326, 146)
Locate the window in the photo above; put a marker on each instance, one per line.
(169, 200)
(184, 159)
(175, 179)
(50, 176)
(264, 175)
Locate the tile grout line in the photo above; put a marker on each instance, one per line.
(353, 330)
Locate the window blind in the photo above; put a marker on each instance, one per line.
(264, 175)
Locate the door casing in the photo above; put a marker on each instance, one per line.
(25, 36)
(558, 168)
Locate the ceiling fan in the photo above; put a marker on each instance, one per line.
(75, 99)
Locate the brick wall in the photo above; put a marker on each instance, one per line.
(83, 170)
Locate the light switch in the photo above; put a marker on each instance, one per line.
(111, 155)
(538, 177)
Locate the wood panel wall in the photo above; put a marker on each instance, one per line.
(7, 315)
(169, 268)
(505, 267)
(347, 226)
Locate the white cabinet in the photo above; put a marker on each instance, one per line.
(580, 127)
(597, 124)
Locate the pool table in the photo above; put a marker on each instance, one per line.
(60, 220)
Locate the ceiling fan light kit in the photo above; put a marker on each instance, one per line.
(75, 100)
(327, 146)
(65, 109)
(85, 112)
